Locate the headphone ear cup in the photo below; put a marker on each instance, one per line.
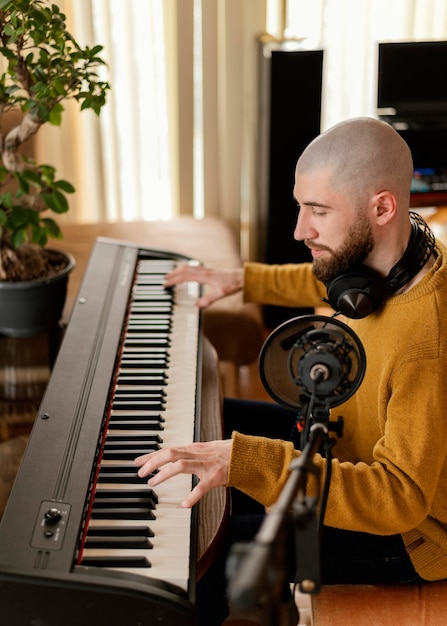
(355, 295)
(359, 293)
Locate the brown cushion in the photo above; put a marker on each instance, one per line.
(382, 605)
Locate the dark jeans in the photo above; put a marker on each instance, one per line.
(345, 556)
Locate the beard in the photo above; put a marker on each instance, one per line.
(358, 244)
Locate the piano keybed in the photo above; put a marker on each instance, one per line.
(131, 527)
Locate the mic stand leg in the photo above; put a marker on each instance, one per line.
(257, 572)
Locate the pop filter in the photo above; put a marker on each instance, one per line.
(312, 356)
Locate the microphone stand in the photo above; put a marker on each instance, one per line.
(321, 360)
(256, 570)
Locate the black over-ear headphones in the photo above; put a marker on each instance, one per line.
(359, 292)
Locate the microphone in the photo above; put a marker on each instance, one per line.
(312, 357)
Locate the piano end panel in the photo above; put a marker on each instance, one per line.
(214, 506)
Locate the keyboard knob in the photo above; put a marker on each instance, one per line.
(52, 516)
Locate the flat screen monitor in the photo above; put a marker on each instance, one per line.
(412, 77)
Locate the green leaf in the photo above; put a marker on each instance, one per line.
(18, 237)
(6, 52)
(39, 235)
(33, 177)
(52, 228)
(56, 201)
(22, 217)
(65, 186)
(55, 115)
(6, 199)
(23, 185)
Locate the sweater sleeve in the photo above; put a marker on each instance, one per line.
(284, 285)
(259, 466)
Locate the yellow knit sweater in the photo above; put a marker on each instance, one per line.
(389, 474)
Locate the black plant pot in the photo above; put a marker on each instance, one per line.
(31, 307)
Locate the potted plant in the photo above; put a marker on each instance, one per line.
(43, 66)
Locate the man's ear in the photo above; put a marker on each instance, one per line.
(384, 204)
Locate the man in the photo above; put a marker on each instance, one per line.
(386, 515)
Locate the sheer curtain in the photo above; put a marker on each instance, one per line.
(122, 163)
(178, 134)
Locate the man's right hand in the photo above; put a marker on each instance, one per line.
(221, 282)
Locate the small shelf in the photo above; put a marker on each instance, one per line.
(428, 198)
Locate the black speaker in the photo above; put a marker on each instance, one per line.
(290, 80)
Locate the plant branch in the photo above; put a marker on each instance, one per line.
(15, 137)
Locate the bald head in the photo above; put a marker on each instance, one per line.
(362, 156)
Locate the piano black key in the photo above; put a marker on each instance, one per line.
(147, 326)
(118, 439)
(145, 363)
(116, 561)
(139, 398)
(153, 351)
(120, 473)
(139, 307)
(141, 378)
(118, 414)
(147, 342)
(129, 389)
(151, 296)
(129, 404)
(129, 453)
(146, 279)
(121, 531)
(131, 424)
(116, 504)
(121, 477)
(154, 281)
(115, 542)
(134, 364)
(151, 317)
(144, 325)
(132, 399)
(159, 304)
(150, 290)
(150, 265)
(109, 498)
(150, 277)
(150, 287)
(147, 335)
(136, 494)
(122, 513)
